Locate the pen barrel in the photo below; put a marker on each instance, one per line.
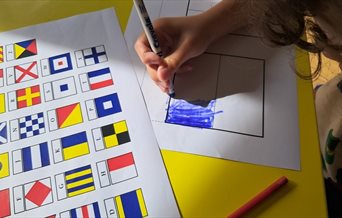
(148, 27)
(259, 197)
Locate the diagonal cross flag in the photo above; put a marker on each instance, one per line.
(22, 72)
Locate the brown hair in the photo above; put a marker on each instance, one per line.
(286, 22)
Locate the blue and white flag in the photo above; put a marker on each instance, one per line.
(3, 133)
(103, 106)
(59, 89)
(91, 56)
(30, 158)
(56, 64)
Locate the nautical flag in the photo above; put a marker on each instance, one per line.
(2, 103)
(65, 116)
(1, 54)
(25, 97)
(70, 147)
(3, 133)
(28, 126)
(131, 204)
(60, 89)
(91, 56)
(5, 207)
(25, 49)
(21, 73)
(4, 166)
(103, 106)
(21, 49)
(85, 211)
(32, 195)
(56, 64)
(2, 78)
(116, 169)
(111, 135)
(30, 158)
(96, 79)
(75, 182)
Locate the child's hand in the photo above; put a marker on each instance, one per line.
(180, 38)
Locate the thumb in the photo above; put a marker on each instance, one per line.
(172, 63)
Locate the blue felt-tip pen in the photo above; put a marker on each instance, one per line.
(151, 35)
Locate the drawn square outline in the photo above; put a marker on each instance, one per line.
(218, 73)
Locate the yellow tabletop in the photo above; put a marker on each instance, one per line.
(209, 187)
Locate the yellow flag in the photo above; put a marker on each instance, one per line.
(4, 170)
(2, 103)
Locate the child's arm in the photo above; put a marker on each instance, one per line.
(183, 38)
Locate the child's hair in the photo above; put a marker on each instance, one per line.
(286, 22)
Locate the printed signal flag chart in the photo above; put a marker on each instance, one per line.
(75, 135)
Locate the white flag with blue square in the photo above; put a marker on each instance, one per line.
(60, 88)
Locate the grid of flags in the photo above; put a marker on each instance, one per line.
(103, 106)
(116, 169)
(65, 116)
(75, 182)
(70, 147)
(32, 195)
(30, 158)
(111, 135)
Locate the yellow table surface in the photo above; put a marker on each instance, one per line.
(209, 187)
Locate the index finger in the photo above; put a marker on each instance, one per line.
(145, 53)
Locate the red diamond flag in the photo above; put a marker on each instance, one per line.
(38, 193)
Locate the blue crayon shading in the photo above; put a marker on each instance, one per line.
(197, 114)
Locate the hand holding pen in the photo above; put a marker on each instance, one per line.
(180, 39)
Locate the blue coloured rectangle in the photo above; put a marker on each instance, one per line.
(27, 159)
(98, 72)
(131, 205)
(74, 139)
(44, 154)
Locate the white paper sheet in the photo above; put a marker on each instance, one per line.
(77, 140)
(239, 103)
